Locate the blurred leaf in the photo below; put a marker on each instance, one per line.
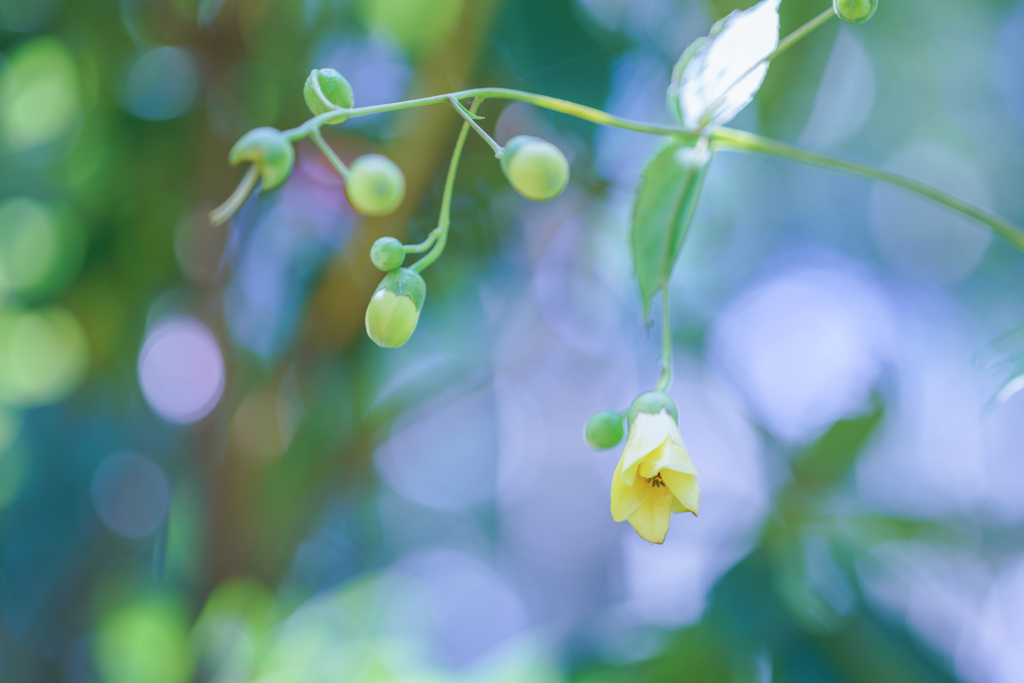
(871, 529)
(665, 203)
(417, 25)
(1003, 360)
(208, 11)
(829, 460)
(787, 96)
(719, 75)
(145, 640)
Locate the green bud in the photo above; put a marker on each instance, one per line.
(537, 169)
(375, 185)
(334, 87)
(652, 403)
(394, 309)
(269, 151)
(604, 429)
(854, 11)
(387, 254)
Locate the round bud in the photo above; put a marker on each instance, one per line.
(537, 169)
(375, 185)
(270, 151)
(394, 309)
(854, 11)
(604, 429)
(334, 87)
(387, 254)
(652, 403)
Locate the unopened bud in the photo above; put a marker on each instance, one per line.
(604, 429)
(394, 309)
(536, 169)
(387, 254)
(269, 151)
(652, 403)
(335, 89)
(854, 11)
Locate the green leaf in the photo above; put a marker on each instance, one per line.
(830, 459)
(666, 200)
(871, 529)
(719, 74)
(1003, 360)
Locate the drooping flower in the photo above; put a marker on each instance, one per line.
(655, 476)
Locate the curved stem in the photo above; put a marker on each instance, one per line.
(444, 220)
(317, 137)
(723, 138)
(553, 103)
(802, 32)
(784, 44)
(237, 198)
(425, 244)
(729, 139)
(665, 381)
(469, 116)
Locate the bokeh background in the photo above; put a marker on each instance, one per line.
(208, 473)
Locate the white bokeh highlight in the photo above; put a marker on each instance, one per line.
(181, 370)
(806, 345)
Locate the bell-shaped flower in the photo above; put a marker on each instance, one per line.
(655, 476)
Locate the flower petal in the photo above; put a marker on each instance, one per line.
(626, 499)
(684, 488)
(667, 457)
(646, 433)
(651, 519)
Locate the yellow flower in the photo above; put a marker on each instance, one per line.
(654, 477)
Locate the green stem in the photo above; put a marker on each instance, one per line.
(802, 32)
(475, 126)
(784, 44)
(237, 198)
(444, 220)
(736, 140)
(723, 138)
(552, 103)
(425, 244)
(317, 137)
(666, 343)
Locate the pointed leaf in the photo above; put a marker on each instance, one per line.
(665, 203)
(718, 75)
(830, 459)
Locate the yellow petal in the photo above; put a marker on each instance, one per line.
(646, 433)
(684, 488)
(651, 519)
(625, 499)
(668, 456)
